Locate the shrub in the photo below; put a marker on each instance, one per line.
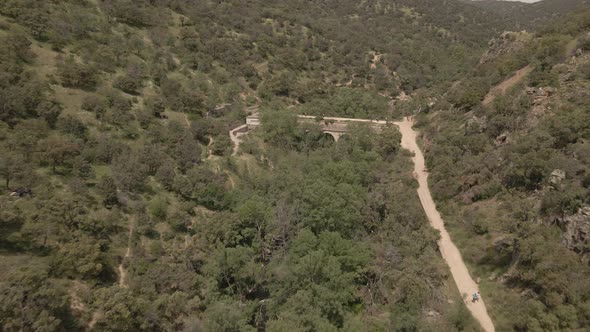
(128, 84)
(95, 104)
(221, 145)
(77, 75)
(159, 207)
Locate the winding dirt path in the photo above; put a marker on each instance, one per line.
(235, 135)
(448, 250)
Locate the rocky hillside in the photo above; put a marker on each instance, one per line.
(508, 149)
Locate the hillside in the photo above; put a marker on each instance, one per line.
(123, 207)
(507, 148)
(529, 16)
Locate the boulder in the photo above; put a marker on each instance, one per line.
(576, 230)
(433, 314)
(557, 176)
(502, 139)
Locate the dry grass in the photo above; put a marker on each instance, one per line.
(71, 100)
(45, 61)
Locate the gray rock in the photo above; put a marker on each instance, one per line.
(502, 139)
(557, 176)
(433, 314)
(576, 230)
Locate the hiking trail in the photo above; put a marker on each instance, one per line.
(121, 268)
(447, 248)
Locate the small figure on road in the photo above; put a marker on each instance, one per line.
(475, 297)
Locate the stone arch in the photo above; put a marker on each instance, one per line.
(331, 136)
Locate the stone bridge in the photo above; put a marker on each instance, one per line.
(336, 127)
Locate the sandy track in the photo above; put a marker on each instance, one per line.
(448, 250)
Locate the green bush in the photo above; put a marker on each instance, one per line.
(222, 145)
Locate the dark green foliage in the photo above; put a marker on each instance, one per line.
(388, 141)
(351, 103)
(222, 145)
(31, 300)
(469, 93)
(201, 185)
(83, 258)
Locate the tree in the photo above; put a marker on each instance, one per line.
(108, 189)
(32, 301)
(77, 75)
(57, 150)
(203, 186)
(228, 316)
(129, 171)
(188, 152)
(122, 310)
(73, 126)
(388, 141)
(279, 127)
(12, 166)
(221, 145)
(166, 173)
(128, 84)
(82, 258)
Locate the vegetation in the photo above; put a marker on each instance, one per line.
(511, 175)
(123, 208)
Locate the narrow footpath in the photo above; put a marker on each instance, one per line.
(121, 268)
(448, 250)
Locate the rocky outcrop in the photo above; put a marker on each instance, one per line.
(556, 177)
(576, 230)
(508, 42)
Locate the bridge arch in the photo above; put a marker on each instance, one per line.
(332, 135)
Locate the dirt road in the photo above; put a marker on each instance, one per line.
(448, 250)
